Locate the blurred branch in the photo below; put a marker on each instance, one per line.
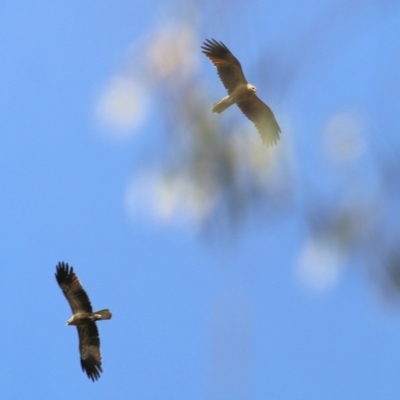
(214, 172)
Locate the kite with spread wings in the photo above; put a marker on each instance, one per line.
(240, 92)
(84, 319)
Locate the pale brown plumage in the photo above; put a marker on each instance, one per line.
(240, 92)
(84, 319)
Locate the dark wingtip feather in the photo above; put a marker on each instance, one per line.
(92, 368)
(270, 138)
(210, 46)
(64, 272)
(270, 142)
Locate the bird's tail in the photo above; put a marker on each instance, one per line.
(102, 314)
(222, 105)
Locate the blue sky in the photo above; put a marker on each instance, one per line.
(195, 315)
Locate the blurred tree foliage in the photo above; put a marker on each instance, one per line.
(213, 173)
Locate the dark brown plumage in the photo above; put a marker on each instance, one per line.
(240, 92)
(84, 319)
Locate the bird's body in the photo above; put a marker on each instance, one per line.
(84, 319)
(240, 92)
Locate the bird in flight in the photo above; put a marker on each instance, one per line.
(240, 92)
(84, 319)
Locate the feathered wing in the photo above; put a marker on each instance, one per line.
(89, 349)
(262, 117)
(72, 289)
(228, 67)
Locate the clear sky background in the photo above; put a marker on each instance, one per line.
(265, 312)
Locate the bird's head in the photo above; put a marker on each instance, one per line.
(251, 87)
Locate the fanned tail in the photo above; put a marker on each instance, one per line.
(222, 105)
(103, 314)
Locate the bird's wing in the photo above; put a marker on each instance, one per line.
(228, 67)
(72, 289)
(262, 117)
(89, 349)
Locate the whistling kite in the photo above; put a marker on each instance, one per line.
(240, 92)
(84, 319)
